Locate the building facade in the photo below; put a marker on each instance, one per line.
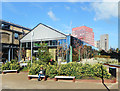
(95, 43)
(84, 33)
(53, 38)
(10, 34)
(104, 42)
(98, 44)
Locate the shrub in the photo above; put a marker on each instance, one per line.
(102, 56)
(81, 71)
(51, 70)
(24, 69)
(12, 65)
(98, 68)
(34, 69)
(78, 70)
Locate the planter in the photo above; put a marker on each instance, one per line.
(36, 77)
(110, 80)
(65, 77)
(118, 66)
(105, 64)
(63, 62)
(24, 71)
(9, 71)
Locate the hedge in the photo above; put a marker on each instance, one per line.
(102, 56)
(12, 65)
(78, 70)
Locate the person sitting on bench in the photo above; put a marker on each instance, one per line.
(41, 73)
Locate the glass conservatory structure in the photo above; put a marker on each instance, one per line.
(59, 44)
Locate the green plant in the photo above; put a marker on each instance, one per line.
(43, 53)
(34, 69)
(98, 69)
(119, 63)
(24, 69)
(51, 70)
(78, 70)
(12, 65)
(102, 56)
(64, 60)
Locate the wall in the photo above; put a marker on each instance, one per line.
(5, 40)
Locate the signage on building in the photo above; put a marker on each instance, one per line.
(9, 46)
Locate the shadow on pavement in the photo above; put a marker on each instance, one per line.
(103, 79)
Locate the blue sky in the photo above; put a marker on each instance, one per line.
(64, 16)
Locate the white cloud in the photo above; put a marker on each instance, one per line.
(52, 16)
(86, 8)
(105, 10)
(67, 7)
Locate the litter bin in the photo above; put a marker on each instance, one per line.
(112, 71)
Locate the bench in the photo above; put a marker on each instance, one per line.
(6, 71)
(23, 64)
(65, 77)
(36, 76)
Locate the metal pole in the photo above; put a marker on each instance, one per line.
(31, 46)
(19, 53)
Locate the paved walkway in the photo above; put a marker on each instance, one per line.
(20, 81)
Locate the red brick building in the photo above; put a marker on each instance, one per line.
(84, 33)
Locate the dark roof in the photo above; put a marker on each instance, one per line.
(9, 23)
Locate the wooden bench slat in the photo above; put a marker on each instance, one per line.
(34, 76)
(64, 76)
(8, 70)
(57, 77)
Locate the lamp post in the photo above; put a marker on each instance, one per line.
(31, 46)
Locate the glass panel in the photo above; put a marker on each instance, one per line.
(16, 35)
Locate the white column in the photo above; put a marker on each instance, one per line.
(12, 53)
(9, 54)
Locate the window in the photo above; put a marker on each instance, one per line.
(54, 42)
(5, 36)
(16, 35)
(5, 26)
